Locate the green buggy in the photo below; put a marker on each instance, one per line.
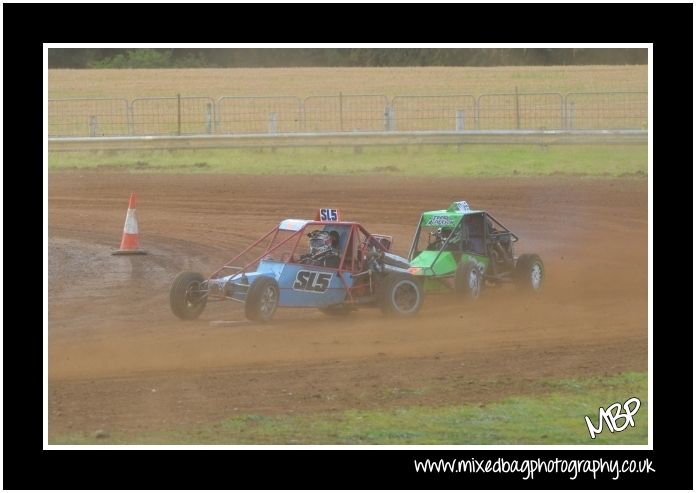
(464, 250)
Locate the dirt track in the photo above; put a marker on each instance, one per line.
(119, 360)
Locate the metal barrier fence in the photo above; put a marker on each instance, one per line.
(609, 110)
(88, 117)
(346, 113)
(259, 115)
(520, 111)
(172, 116)
(434, 113)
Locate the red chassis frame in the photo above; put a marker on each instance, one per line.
(356, 247)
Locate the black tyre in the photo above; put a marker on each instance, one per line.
(186, 297)
(262, 299)
(468, 280)
(400, 295)
(529, 273)
(336, 310)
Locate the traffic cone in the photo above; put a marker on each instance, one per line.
(130, 244)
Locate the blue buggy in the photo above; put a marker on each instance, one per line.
(325, 263)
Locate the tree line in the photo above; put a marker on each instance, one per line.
(338, 57)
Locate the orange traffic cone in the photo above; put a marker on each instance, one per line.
(130, 244)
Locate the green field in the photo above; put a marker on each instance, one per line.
(553, 417)
(431, 160)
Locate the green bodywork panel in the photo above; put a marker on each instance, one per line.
(438, 268)
(443, 217)
(432, 270)
(444, 265)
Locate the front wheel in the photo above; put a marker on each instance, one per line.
(468, 280)
(529, 273)
(400, 295)
(186, 297)
(262, 299)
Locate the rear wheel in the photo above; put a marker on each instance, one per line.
(186, 297)
(529, 273)
(468, 280)
(400, 295)
(262, 299)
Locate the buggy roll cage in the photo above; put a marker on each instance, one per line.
(460, 226)
(355, 228)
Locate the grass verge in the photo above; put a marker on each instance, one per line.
(554, 417)
(431, 160)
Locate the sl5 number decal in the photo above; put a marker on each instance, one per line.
(312, 281)
(328, 215)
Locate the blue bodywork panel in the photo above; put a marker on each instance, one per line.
(311, 285)
(300, 284)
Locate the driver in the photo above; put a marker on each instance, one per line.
(323, 249)
(441, 237)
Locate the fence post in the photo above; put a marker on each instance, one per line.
(517, 108)
(92, 126)
(178, 114)
(272, 123)
(389, 118)
(477, 115)
(209, 118)
(340, 109)
(217, 114)
(129, 117)
(459, 125)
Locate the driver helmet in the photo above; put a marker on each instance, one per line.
(319, 242)
(444, 233)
